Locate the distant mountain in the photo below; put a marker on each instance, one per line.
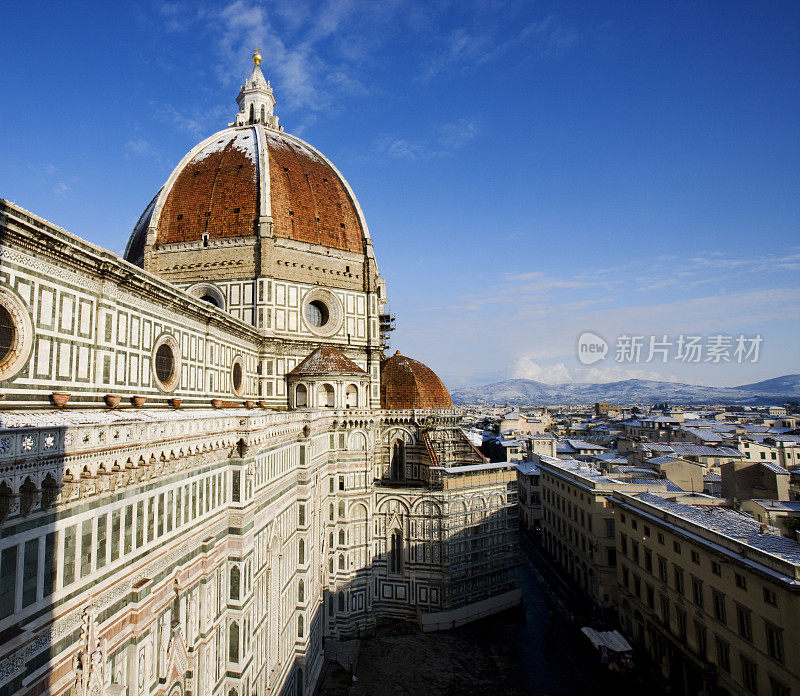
(630, 391)
(787, 385)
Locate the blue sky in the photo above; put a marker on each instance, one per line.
(529, 170)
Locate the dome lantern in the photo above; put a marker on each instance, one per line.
(256, 100)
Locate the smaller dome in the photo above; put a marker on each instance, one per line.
(407, 383)
(326, 362)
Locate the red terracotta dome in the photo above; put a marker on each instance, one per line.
(230, 181)
(407, 383)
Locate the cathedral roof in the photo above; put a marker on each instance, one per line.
(229, 186)
(326, 361)
(407, 383)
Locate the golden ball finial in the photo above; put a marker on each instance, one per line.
(257, 57)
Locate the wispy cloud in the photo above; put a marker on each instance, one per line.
(713, 267)
(442, 140)
(309, 78)
(463, 49)
(454, 135)
(529, 322)
(196, 122)
(142, 148)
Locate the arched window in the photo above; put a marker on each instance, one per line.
(300, 626)
(341, 510)
(233, 642)
(252, 113)
(330, 514)
(341, 537)
(398, 464)
(340, 600)
(235, 577)
(358, 441)
(49, 491)
(27, 492)
(5, 503)
(300, 396)
(330, 540)
(263, 114)
(301, 552)
(330, 565)
(325, 397)
(341, 561)
(396, 553)
(301, 591)
(351, 396)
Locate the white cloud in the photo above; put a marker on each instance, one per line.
(304, 75)
(457, 134)
(441, 141)
(526, 368)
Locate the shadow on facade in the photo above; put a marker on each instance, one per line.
(451, 580)
(31, 481)
(446, 561)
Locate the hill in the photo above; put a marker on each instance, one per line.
(630, 391)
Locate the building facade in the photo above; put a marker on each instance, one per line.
(709, 595)
(207, 465)
(579, 525)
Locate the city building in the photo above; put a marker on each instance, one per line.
(744, 479)
(578, 524)
(708, 594)
(782, 514)
(207, 465)
(529, 492)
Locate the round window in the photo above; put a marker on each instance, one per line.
(8, 333)
(237, 375)
(211, 300)
(165, 363)
(16, 334)
(322, 312)
(317, 313)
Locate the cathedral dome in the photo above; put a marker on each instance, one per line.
(407, 383)
(225, 186)
(248, 182)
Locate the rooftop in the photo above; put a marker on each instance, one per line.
(469, 468)
(686, 449)
(782, 505)
(576, 445)
(527, 468)
(775, 468)
(728, 523)
(327, 361)
(590, 476)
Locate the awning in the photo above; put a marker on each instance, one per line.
(611, 640)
